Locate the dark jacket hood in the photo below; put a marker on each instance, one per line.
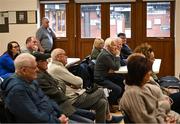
(6, 85)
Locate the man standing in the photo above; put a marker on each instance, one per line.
(23, 97)
(45, 35)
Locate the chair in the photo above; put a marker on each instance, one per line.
(127, 120)
(5, 115)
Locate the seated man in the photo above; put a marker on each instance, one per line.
(106, 63)
(23, 97)
(53, 89)
(78, 96)
(32, 45)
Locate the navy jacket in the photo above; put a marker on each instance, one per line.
(26, 101)
(125, 51)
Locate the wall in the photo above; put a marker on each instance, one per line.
(17, 32)
(177, 39)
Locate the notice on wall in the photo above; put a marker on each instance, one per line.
(12, 17)
(2, 20)
(31, 17)
(21, 17)
(4, 23)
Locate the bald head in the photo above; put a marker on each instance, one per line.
(56, 52)
(59, 55)
(45, 22)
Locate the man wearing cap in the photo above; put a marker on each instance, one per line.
(55, 91)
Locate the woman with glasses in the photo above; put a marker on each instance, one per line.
(148, 51)
(7, 59)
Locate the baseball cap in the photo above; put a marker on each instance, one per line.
(41, 56)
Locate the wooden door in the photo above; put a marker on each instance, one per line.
(78, 45)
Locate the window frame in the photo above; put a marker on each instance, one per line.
(145, 38)
(42, 14)
(79, 13)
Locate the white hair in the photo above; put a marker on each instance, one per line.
(24, 59)
(108, 42)
(55, 52)
(117, 39)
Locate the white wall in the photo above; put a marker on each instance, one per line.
(177, 38)
(17, 32)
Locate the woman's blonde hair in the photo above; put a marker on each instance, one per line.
(97, 42)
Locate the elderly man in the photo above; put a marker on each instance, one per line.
(106, 63)
(45, 35)
(55, 91)
(32, 45)
(23, 97)
(78, 96)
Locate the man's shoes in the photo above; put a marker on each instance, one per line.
(115, 119)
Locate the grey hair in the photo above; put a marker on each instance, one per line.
(55, 52)
(24, 59)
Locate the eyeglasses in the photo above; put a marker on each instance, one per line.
(15, 46)
(62, 54)
(33, 68)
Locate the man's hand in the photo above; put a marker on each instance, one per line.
(63, 119)
(170, 120)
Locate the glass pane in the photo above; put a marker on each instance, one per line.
(120, 19)
(158, 19)
(90, 21)
(57, 18)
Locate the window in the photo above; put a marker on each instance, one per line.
(158, 19)
(57, 16)
(120, 19)
(90, 21)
